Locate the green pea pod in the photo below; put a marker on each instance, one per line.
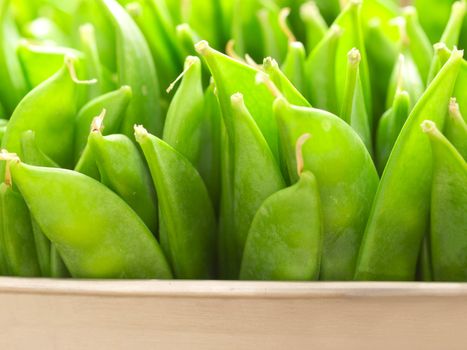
(135, 69)
(274, 39)
(285, 238)
(14, 85)
(315, 25)
(420, 46)
(115, 104)
(280, 80)
(165, 53)
(187, 38)
(185, 118)
(352, 37)
(294, 65)
(406, 77)
(40, 62)
(44, 29)
(382, 57)
(187, 222)
(320, 68)
(94, 67)
(440, 57)
(448, 208)
(86, 164)
(346, 176)
(16, 233)
(50, 261)
(232, 76)
(389, 127)
(54, 126)
(399, 216)
(456, 129)
(96, 232)
(129, 178)
(453, 28)
(353, 110)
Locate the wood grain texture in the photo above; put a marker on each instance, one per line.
(51, 314)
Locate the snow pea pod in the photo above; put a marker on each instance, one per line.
(187, 38)
(441, 56)
(353, 110)
(54, 126)
(315, 25)
(456, 129)
(399, 215)
(346, 176)
(130, 178)
(136, 69)
(294, 65)
(285, 238)
(50, 261)
(187, 222)
(453, 28)
(115, 104)
(16, 233)
(320, 68)
(14, 85)
(448, 208)
(97, 234)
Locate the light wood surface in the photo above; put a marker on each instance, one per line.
(58, 314)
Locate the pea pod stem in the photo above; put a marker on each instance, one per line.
(283, 14)
(190, 60)
(70, 63)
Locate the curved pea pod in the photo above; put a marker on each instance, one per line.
(136, 69)
(166, 54)
(448, 208)
(389, 127)
(187, 222)
(315, 25)
(54, 127)
(274, 38)
(97, 234)
(420, 46)
(232, 76)
(14, 85)
(123, 170)
(50, 261)
(353, 110)
(94, 67)
(405, 77)
(294, 65)
(320, 70)
(187, 38)
(115, 104)
(350, 22)
(16, 234)
(399, 215)
(286, 236)
(346, 176)
(456, 128)
(280, 80)
(185, 117)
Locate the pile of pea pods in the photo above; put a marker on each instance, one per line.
(233, 139)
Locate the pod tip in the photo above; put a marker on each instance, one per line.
(428, 127)
(354, 56)
(236, 99)
(97, 125)
(309, 10)
(140, 133)
(134, 9)
(454, 110)
(202, 47)
(182, 27)
(439, 46)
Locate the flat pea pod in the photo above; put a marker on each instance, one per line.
(448, 208)
(16, 234)
(97, 234)
(353, 110)
(232, 76)
(320, 68)
(14, 85)
(123, 170)
(115, 104)
(346, 176)
(456, 128)
(185, 117)
(248, 152)
(285, 238)
(136, 69)
(54, 127)
(315, 25)
(389, 127)
(50, 261)
(187, 222)
(399, 216)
